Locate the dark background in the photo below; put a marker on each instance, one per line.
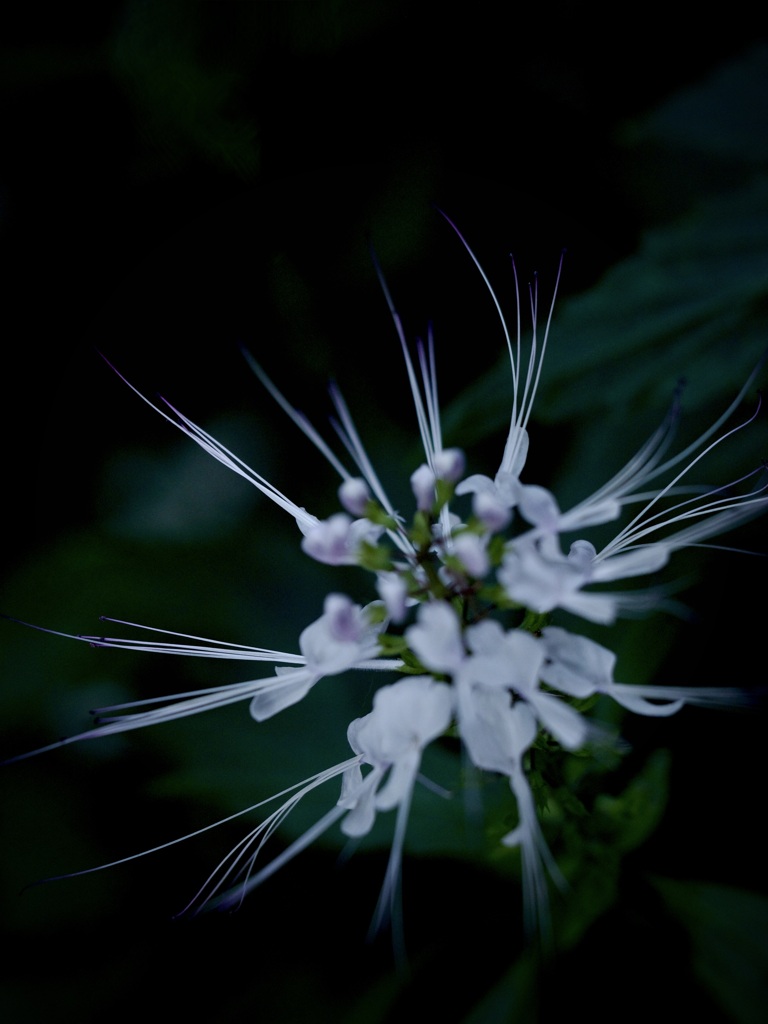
(179, 179)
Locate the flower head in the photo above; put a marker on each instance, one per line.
(466, 587)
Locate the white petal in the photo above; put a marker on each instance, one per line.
(575, 664)
(279, 695)
(566, 725)
(449, 464)
(539, 507)
(423, 487)
(515, 451)
(637, 562)
(470, 551)
(436, 639)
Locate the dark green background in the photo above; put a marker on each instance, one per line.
(178, 179)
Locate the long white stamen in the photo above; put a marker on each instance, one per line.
(196, 832)
(235, 896)
(386, 903)
(429, 418)
(522, 405)
(298, 418)
(639, 527)
(222, 454)
(351, 439)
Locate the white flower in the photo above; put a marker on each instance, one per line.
(580, 667)
(513, 661)
(343, 638)
(537, 575)
(337, 540)
(406, 717)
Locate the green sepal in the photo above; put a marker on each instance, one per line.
(412, 665)
(444, 491)
(421, 531)
(391, 644)
(375, 514)
(534, 622)
(497, 596)
(376, 613)
(371, 556)
(495, 550)
(456, 566)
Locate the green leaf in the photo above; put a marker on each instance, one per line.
(719, 116)
(691, 302)
(512, 998)
(728, 928)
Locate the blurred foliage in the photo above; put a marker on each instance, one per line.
(189, 72)
(728, 931)
(695, 290)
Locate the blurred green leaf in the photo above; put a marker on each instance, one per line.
(722, 116)
(513, 998)
(691, 301)
(188, 97)
(594, 845)
(728, 929)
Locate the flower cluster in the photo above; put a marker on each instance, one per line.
(460, 617)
